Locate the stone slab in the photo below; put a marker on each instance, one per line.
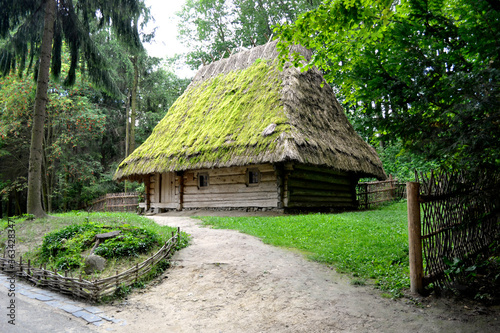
(70, 308)
(92, 309)
(43, 298)
(89, 317)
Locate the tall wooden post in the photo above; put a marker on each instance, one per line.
(392, 187)
(147, 195)
(180, 177)
(414, 238)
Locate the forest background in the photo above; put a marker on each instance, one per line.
(418, 80)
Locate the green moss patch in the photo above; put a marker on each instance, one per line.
(63, 249)
(215, 121)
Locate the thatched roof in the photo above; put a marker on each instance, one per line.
(243, 110)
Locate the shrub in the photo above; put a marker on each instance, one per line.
(63, 248)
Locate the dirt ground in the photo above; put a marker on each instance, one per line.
(226, 281)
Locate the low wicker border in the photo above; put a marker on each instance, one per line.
(81, 288)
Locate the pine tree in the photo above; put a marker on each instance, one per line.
(34, 30)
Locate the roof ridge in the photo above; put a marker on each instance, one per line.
(244, 59)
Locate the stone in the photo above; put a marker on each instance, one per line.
(94, 263)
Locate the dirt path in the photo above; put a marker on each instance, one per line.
(226, 281)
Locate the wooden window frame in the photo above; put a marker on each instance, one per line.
(200, 177)
(249, 179)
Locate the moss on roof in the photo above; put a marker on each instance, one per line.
(214, 121)
(243, 110)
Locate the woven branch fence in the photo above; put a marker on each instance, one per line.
(116, 202)
(458, 216)
(81, 288)
(371, 194)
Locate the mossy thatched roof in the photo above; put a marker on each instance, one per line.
(243, 110)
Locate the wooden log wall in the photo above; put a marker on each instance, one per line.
(314, 187)
(228, 187)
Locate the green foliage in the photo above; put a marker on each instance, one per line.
(23, 23)
(132, 243)
(82, 125)
(401, 163)
(477, 276)
(55, 242)
(370, 244)
(423, 72)
(212, 28)
(64, 247)
(75, 128)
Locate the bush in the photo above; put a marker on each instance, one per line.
(133, 242)
(64, 248)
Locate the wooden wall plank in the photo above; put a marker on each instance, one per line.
(309, 184)
(227, 188)
(190, 179)
(169, 205)
(315, 187)
(317, 169)
(318, 199)
(315, 205)
(304, 175)
(227, 204)
(229, 197)
(231, 188)
(307, 192)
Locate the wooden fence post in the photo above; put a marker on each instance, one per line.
(391, 186)
(414, 238)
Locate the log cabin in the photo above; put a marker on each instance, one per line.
(249, 133)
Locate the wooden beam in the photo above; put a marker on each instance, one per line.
(231, 188)
(148, 193)
(320, 200)
(230, 197)
(280, 183)
(180, 179)
(414, 238)
(270, 203)
(304, 175)
(308, 184)
(230, 179)
(317, 169)
(316, 205)
(320, 193)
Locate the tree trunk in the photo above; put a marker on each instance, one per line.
(34, 205)
(127, 126)
(134, 104)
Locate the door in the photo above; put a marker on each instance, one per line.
(167, 193)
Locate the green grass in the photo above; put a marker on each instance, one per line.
(369, 245)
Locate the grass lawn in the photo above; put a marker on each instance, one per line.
(370, 245)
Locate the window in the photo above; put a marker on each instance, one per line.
(253, 177)
(202, 179)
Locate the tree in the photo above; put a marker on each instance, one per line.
(212, 29)
(21, 26)
(159, 88)
(425, 72)
(74, 128)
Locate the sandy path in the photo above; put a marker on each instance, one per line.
(226, 281)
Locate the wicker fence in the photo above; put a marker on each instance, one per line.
(116, 202)
(81, 288)
(458, 216)
(371, 194)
